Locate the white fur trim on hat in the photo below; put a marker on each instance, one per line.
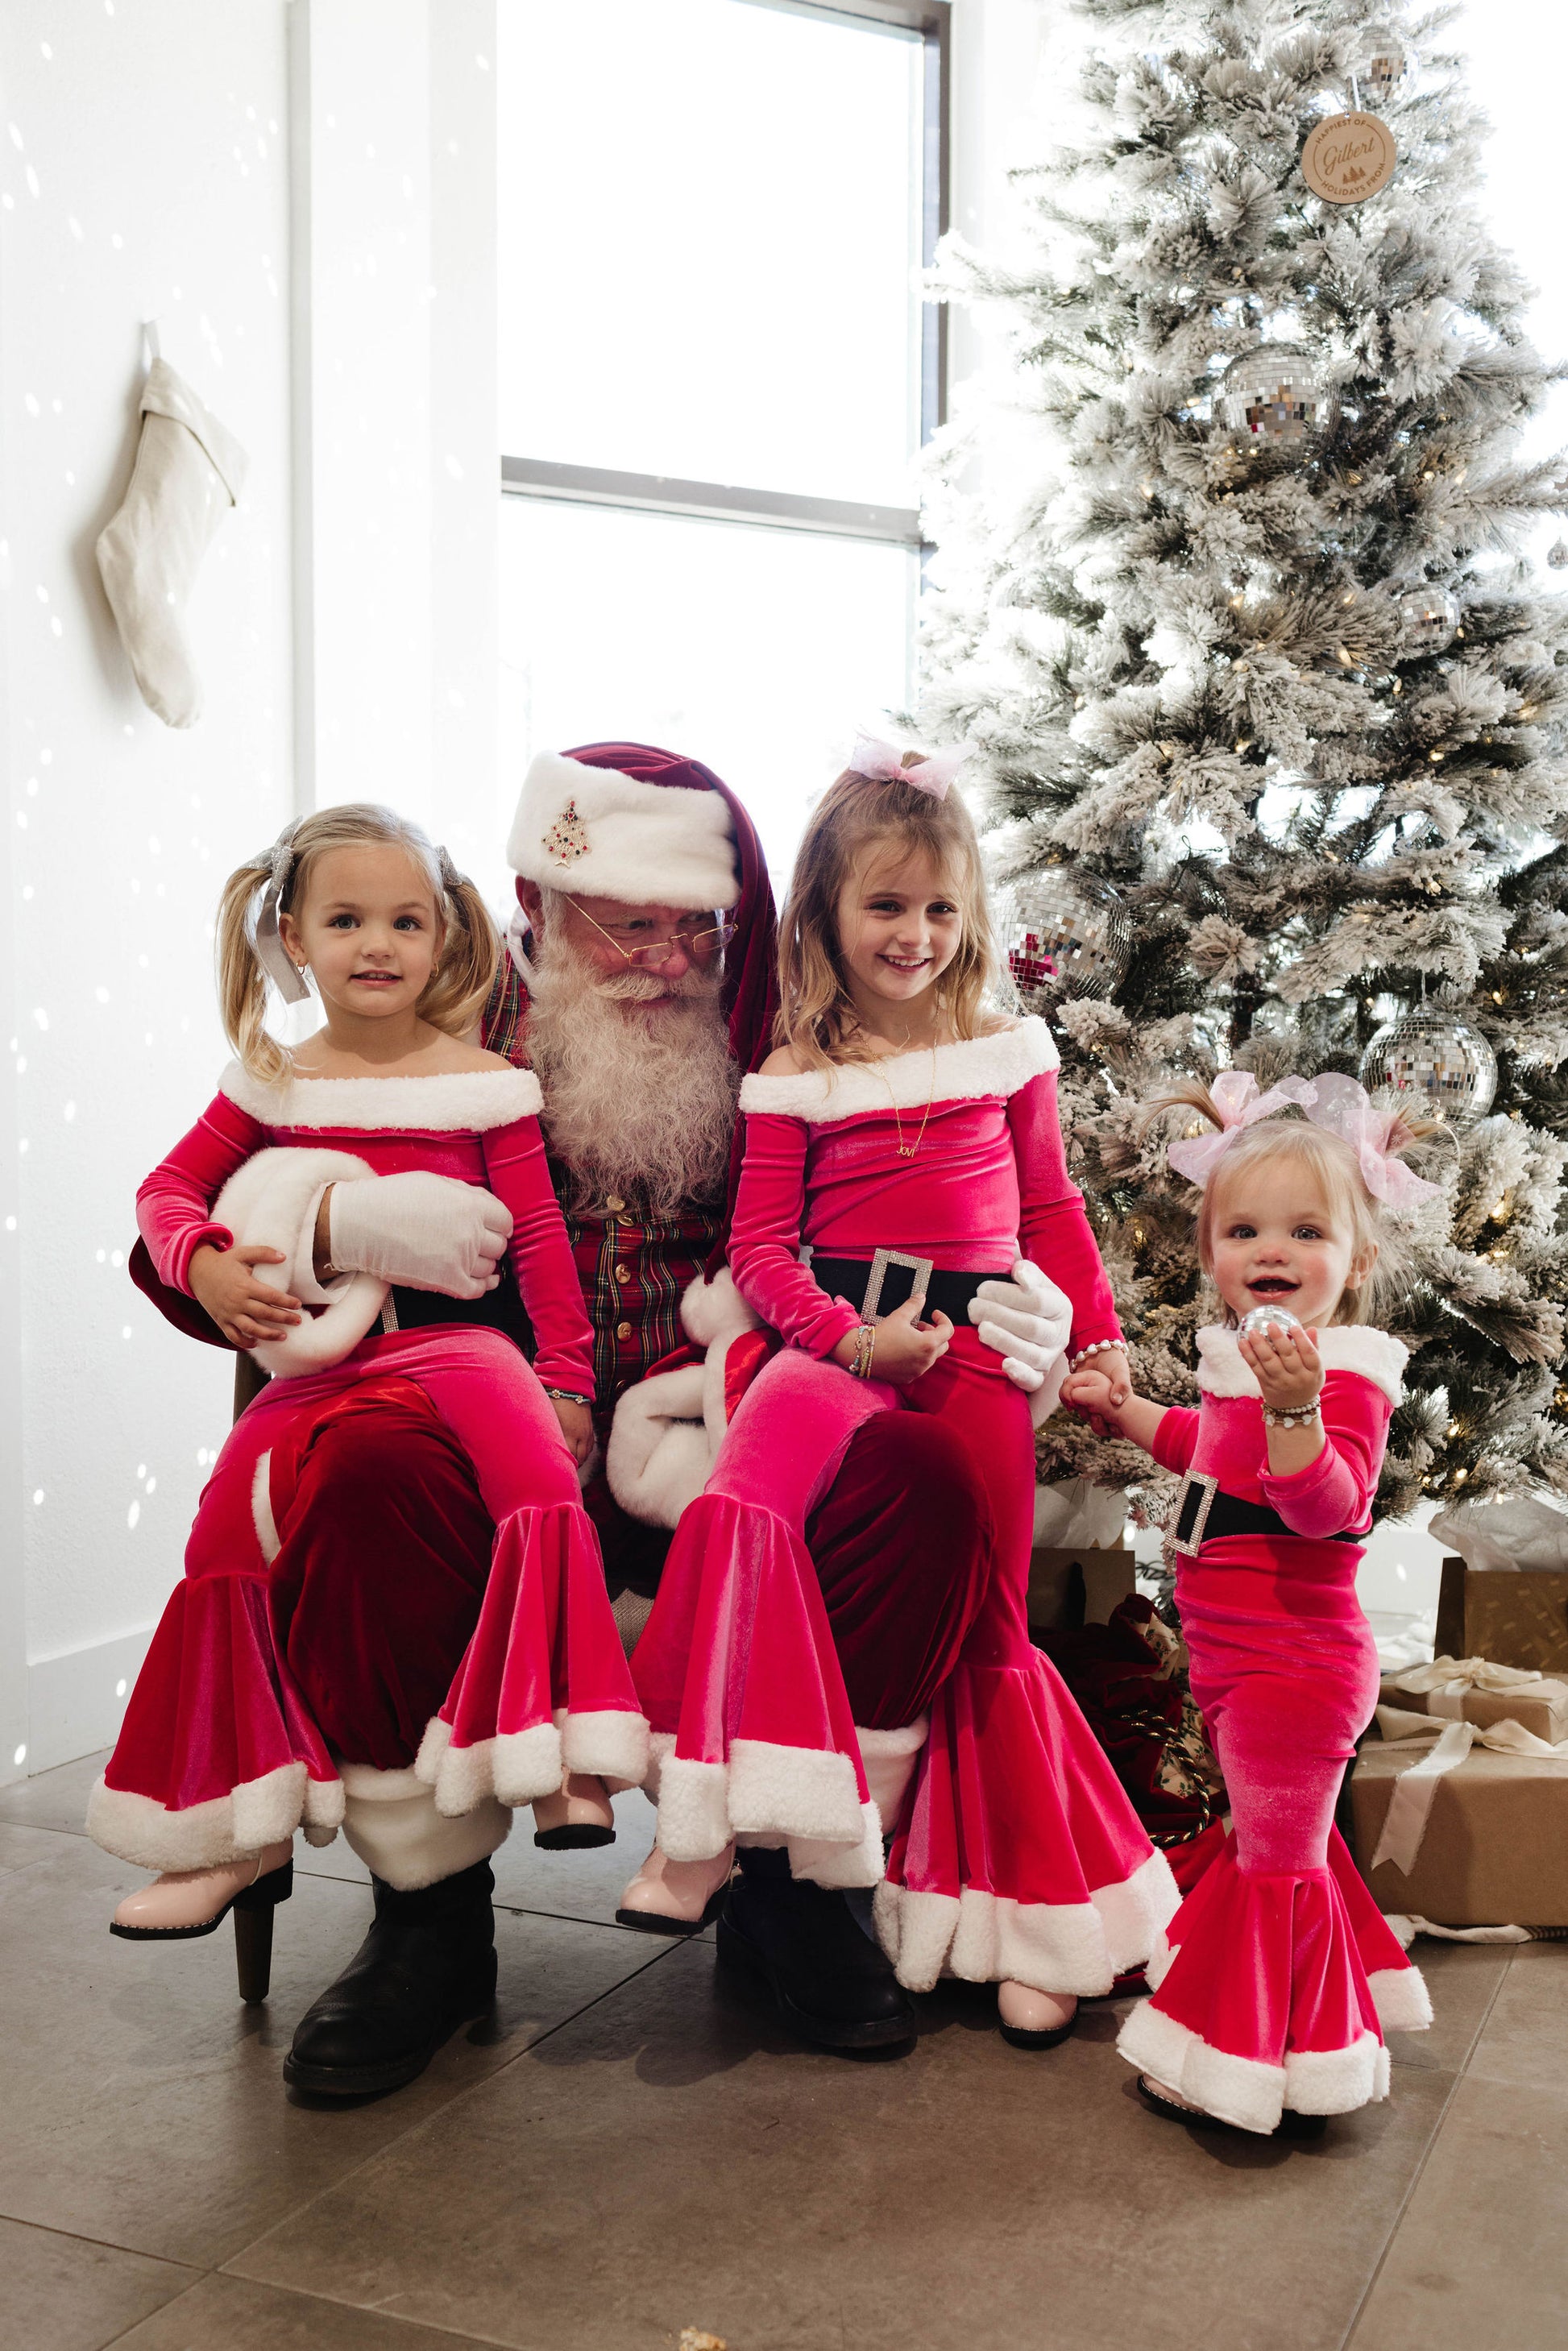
(1002, 1064)
(460, 1102)
(600, 834)
(266, 1201)
(1343, 1347)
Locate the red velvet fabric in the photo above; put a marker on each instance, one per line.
(173, 1203)
(991, 1175)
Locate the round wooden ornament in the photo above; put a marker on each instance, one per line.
(1349, 157)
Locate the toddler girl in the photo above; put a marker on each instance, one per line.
(219, 1760)
(1279, 1973)
(898, 1115)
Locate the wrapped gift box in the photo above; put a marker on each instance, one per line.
(1085, 1586)
(1495, 1852)
(1539, 1707)
(1515, 1619)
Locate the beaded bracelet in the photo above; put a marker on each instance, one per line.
(1298, 1419)
(567, 1396)
(865, 1343)
(1099, 1347)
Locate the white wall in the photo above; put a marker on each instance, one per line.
(142, 171)
(303, 190)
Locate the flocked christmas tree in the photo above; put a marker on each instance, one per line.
(1271, 706)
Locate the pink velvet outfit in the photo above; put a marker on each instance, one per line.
(219, 1754)
(1278, 1975)
(1016, 1852)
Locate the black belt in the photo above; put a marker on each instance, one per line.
(946, 1293)
(500, 1308)
(1206, 1512)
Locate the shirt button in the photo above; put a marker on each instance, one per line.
(614, 1204)
(622, 1330)
(622, 1273)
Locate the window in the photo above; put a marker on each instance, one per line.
(716, 373)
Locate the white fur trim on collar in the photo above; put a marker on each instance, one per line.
(1001, 1064)
(600, 834)
(1343, 1347)
(463, 1102)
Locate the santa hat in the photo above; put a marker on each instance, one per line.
(604, 830)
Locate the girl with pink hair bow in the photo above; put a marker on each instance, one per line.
(1277, 1978)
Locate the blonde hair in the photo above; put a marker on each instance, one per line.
(856, 817)
(1328, 1156)
(470, 944)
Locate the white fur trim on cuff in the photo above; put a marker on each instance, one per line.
(461, 1102)
(1401, 1999)
(257, 1813)
(1077, 1948)
(266, 1200)
(1002, 1064)
(261, 1515)
(712, 1311)
(1237, 2090)
(408, 1844)
(611, 1742)
(1136, 1913)
(801, 1791)
(888, 1759)
(368, 1785)
(839, 1866)
(694, 1818)
(1342, 1347)
(660, 1453)
(598, 833)
(1337, 2081)
(516, 1767)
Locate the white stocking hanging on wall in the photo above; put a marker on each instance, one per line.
(189, 472)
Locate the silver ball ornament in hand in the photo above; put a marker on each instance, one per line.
(1268, 1318)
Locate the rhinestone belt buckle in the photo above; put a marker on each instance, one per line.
(921, 1267)
(1185, 1538)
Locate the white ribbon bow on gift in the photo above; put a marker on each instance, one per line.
(883, 763)
(1410, 1802)
(1448, 1682)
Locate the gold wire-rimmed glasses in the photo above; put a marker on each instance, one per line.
(701, 946)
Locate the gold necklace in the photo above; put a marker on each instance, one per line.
(908, 1152)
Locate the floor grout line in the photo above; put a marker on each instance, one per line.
(1397, 2223)
(325, 2300)
(109, 2244)
(458, 2097)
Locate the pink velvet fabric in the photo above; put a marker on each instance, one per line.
(1274, 1946)
(216, 1699)
(173, 1206)
(989, 1181)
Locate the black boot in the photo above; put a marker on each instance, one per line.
(428, 1966)
(832, 1983)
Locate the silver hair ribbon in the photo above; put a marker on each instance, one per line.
(270, 952)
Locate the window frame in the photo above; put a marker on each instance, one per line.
(573, 485)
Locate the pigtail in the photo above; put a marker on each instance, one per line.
(1187, 1093)
(470, 950)
(242, 982)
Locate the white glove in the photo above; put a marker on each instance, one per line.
(1028, 1321)
(426, 1231)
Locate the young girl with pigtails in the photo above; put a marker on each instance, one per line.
(219, 1761)
(903, 1148)
(1278, 1977)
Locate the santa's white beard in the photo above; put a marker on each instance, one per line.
(639, 1105)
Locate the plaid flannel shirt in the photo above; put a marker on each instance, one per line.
(632, 1267)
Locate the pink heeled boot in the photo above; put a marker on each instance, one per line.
(578, 1814)
(1034, 2020)
(675, 1897)
(185, 1903)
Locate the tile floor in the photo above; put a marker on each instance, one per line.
(632, 2149)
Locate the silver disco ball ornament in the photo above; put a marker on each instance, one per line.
(1428, 616)
(1064, 934)
(1380, 75)
(1274, 397)
(1431, 1062)
(1273, 1317)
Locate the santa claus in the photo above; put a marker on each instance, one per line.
(640, 987)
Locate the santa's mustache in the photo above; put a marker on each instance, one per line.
(650, 987)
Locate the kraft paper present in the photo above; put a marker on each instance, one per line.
(1540, 1706)
(1515, 1620)
(1495, 1850)
(1068, 1588)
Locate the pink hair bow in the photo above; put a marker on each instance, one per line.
(883, 763)
(1240, 1105)
(1345, 1109)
